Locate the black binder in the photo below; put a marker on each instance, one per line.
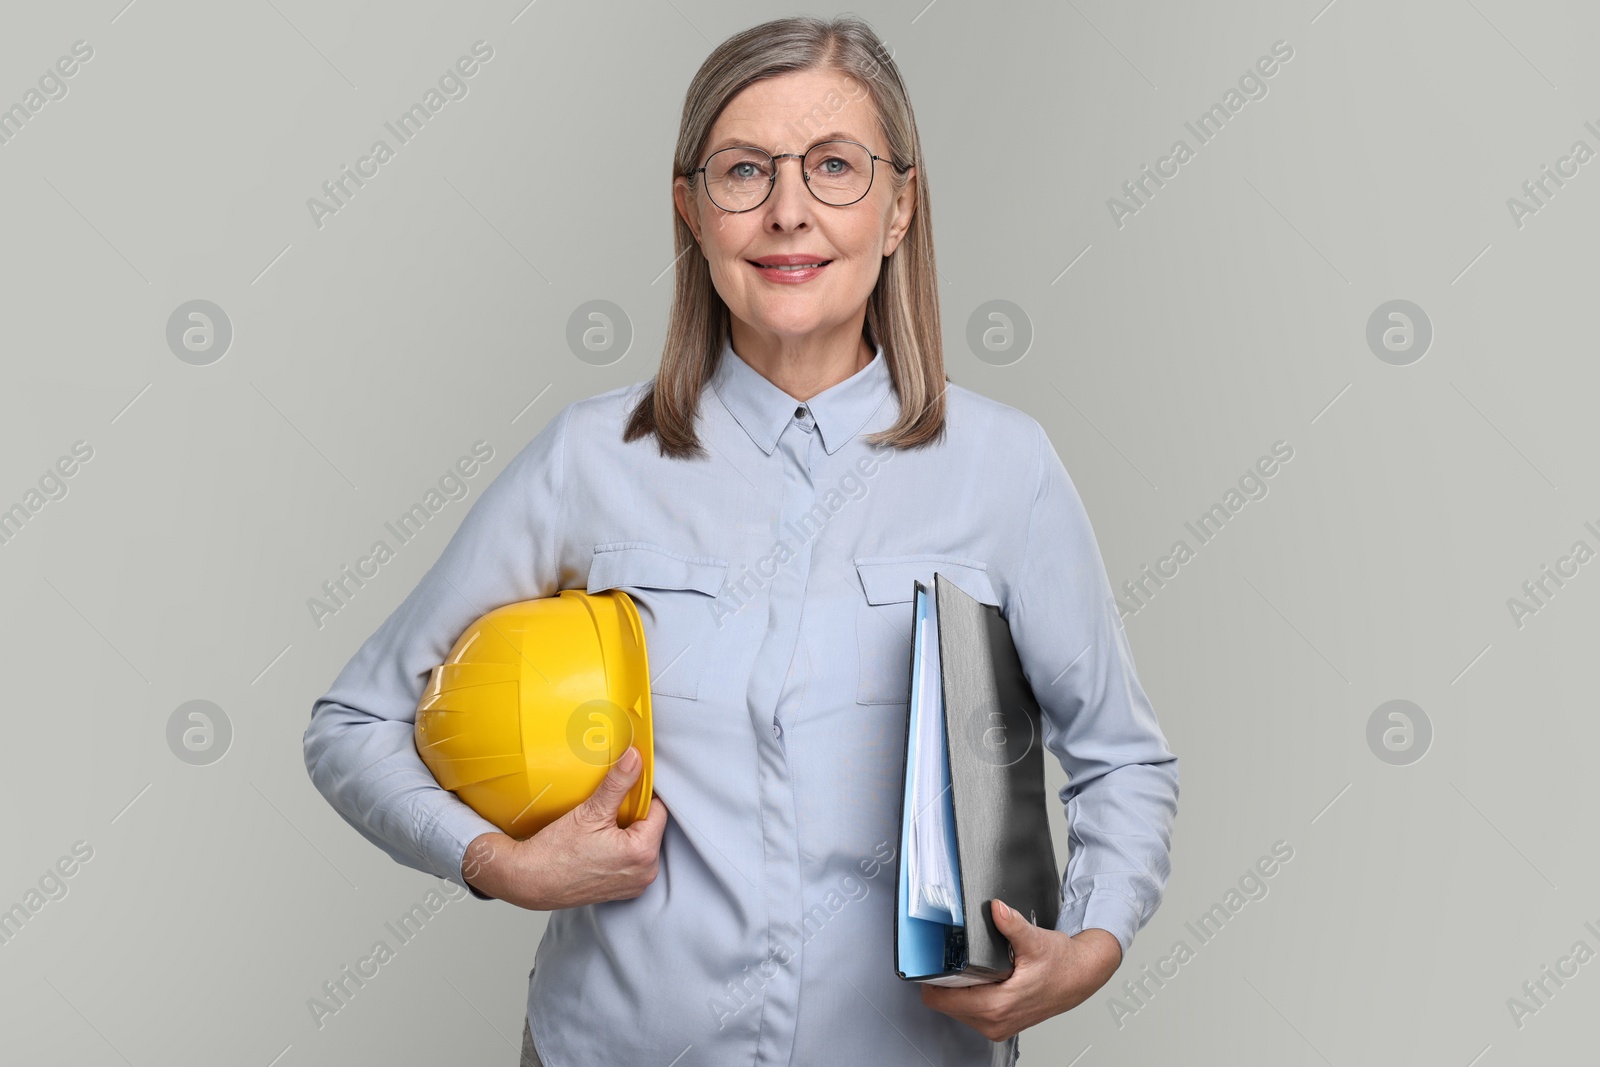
(994, 760)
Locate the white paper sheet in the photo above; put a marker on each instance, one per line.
(931, 863)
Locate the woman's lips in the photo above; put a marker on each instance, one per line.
(789, 275)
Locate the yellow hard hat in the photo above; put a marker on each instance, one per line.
(535, 703)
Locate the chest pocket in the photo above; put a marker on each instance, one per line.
(884, 618)
(675, 595)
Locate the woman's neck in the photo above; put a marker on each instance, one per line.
(807, 366)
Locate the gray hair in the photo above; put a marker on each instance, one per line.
(903, 310)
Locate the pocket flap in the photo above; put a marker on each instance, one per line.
(645, 566)
(892, 579)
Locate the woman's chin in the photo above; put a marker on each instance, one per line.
(793, 323)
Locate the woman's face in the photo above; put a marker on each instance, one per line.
(790, 113)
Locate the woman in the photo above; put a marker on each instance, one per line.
(768, 500)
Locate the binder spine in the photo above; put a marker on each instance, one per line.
(955, 949)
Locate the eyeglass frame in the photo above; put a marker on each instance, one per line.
(772, 183)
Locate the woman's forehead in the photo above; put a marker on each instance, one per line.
(840, 134)
(792, 111)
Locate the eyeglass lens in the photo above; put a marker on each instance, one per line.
(837, 172)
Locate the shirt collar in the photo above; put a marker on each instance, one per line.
(764, 410)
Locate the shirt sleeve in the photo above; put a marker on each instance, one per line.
(1122, 792)
(360, 747)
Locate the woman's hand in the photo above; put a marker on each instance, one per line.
(584, 857)
(1054, 973)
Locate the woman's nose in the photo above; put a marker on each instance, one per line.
(790, 201)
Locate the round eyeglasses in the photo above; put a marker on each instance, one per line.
(838, 173)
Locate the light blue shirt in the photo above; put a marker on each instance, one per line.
(774, 581)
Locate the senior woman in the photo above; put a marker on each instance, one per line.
(767, 500)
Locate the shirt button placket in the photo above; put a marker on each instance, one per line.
(774, 687)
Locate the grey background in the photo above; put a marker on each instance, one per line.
(431, 312)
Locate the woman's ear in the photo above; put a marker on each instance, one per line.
(683, 200)
(901, 209)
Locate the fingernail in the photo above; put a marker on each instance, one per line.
(630, 760)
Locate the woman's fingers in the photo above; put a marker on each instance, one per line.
(606, 801)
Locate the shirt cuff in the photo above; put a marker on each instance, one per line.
(455, 826)
(1105, 909)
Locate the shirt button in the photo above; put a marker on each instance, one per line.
(777, 730)
(800, 412)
